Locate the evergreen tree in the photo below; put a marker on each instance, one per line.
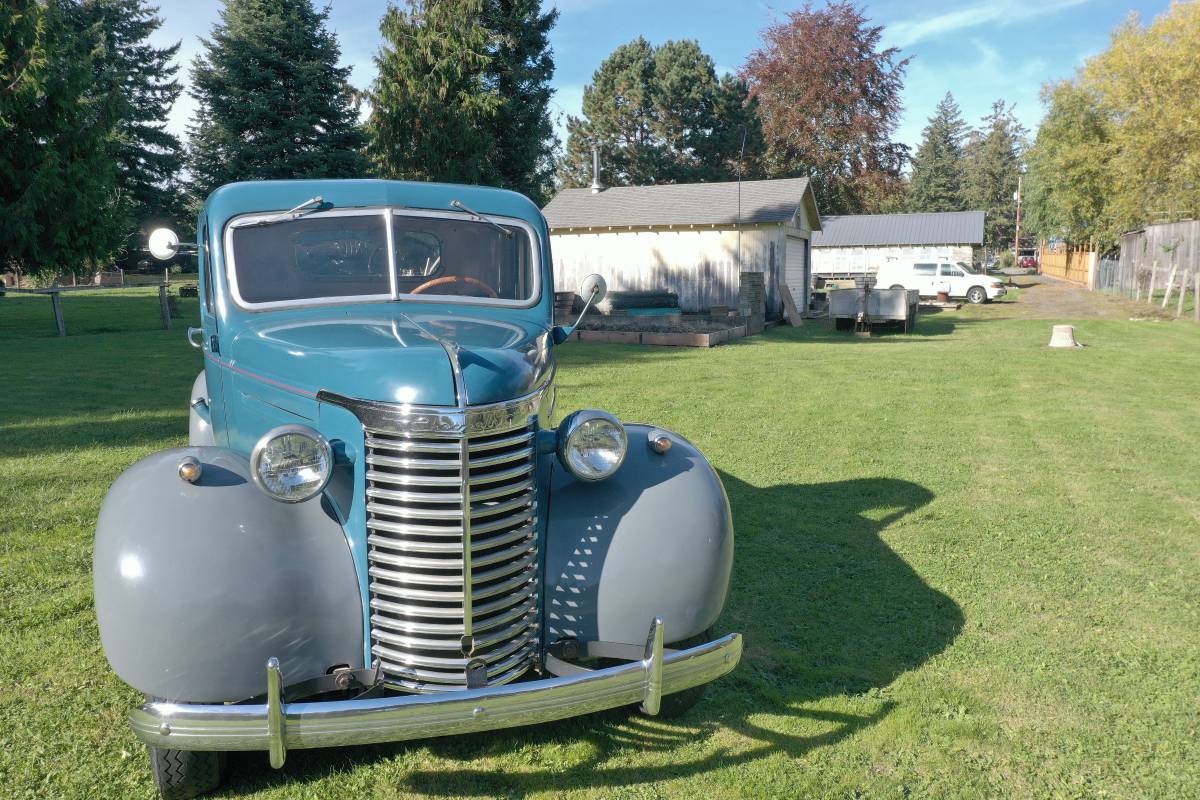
(463, 94)
(58, 133)
(661, 115)
(520, 70)
(993, 157)
(273, 102)
(937, 174)
(142, 77)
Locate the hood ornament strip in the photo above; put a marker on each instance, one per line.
(406, 418)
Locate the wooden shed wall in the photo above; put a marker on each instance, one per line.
(839, 260)
(700, 265)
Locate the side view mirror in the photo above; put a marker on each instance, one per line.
(593, 289)
(163, 243)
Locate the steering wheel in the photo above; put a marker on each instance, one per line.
(465, 280)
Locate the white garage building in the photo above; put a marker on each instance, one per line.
(692, 239)
(859, 243)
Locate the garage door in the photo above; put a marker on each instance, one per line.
(796, 270)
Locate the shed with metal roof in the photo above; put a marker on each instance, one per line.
(693, 239)
(860, 243)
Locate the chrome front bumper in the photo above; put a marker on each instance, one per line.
(278, 726)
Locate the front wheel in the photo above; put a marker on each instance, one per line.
(976, 295)
(184, 774)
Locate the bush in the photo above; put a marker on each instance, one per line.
(1007, 260)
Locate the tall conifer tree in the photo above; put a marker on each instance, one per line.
(58, 180)
(993, 155)
(142, 79)
(273, 101)
(937, 174)
(661, 115)
(463, 94)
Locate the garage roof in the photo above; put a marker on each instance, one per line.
(681, 204)
(859, 230)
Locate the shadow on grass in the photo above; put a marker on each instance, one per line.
(930, 324)
(827, 609)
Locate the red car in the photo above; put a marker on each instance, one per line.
(1027, 262)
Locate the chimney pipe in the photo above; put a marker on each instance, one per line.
(596, 186)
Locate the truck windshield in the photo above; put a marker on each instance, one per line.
(343, 256)
(460, 257)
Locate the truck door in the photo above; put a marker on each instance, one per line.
(210, 340)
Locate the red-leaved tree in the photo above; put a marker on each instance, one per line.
(829, 100)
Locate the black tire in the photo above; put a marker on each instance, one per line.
(183, 774)
(895, 286)
(976, 295)
(677, 704)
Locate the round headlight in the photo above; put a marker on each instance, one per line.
(292, 463)
(592, 444)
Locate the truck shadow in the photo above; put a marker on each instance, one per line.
(827, 608)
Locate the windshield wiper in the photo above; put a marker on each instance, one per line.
(507, 233)
(307, 207)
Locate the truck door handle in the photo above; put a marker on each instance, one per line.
(191, 337)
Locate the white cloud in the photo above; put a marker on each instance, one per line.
(910, 31)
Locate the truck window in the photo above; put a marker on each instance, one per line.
(206, 269)
(326, 256)
(951, 271)
(924, 269)
(440, 256)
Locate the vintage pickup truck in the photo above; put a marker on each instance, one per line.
(379, 530)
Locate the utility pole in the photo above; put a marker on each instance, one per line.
(1017, 197)
(1017, 238)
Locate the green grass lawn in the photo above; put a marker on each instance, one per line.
(966, 567)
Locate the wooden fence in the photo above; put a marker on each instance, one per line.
(1157, 250)
(1075, 263)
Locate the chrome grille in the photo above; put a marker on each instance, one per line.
(418, 498)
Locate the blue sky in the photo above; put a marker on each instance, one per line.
(980, 50)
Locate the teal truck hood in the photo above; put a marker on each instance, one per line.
(391, 353)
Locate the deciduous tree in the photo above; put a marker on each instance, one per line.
(273, 102)
(937, 172)
(661, 115)
(1070, 165)
(829, 99)
(1120, 146)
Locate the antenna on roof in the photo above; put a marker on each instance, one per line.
(596, 186)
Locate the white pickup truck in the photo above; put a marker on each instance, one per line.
(929, 278)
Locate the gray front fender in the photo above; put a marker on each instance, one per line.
(655, 539)
(197, 585)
